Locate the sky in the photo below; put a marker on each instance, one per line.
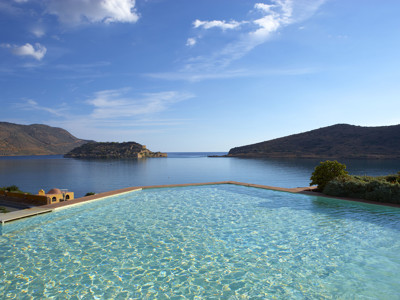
(199, 75)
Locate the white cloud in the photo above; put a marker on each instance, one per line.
(30, 104)
(265, 7)
(280, 14)
(274, 17)
(267, 25)
(38, 51)
(111, 104)
(199, 76)
(75, 12)
(230, 73)
(191, 42)
(38, 32)
(219, 24)
(114, 114)
(267, 20)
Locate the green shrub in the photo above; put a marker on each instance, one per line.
(377, 189)
(11, 188)
(335, 187)
(90, 194)
(327, 171)
(393, 178)
(384, 192)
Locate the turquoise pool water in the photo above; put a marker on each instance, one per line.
(209, 242)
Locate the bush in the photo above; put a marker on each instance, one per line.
(11, 188)
(325, 172)
(90, 194)
(393, 178)
(335, 188)
(377, 189)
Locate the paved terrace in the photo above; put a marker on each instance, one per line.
(16, 215)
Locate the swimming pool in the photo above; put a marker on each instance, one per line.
(206, 242)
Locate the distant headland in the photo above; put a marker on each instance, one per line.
(36, 139)
(113, 151)
(336, 141)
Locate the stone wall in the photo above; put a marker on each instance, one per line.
(25, 198)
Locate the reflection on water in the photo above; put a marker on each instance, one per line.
(81, 176)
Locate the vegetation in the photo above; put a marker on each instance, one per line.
(112, 151)
(11, 188)
(14, 189)
(325, 172)
(90, 194)
(333, 180)
(381, 189)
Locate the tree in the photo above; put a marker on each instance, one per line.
(11, 188)
(327, 171)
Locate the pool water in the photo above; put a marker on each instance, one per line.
(208, 242)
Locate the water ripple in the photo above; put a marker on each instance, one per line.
(221, 242)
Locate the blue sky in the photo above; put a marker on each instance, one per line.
(205, 75)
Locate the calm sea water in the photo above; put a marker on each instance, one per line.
(32, 173)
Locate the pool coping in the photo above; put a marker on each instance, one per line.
(20, 214)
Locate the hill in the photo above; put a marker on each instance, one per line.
(332, 142)
(113, 150)
(35, 139)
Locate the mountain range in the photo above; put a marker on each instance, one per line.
(36, 139)
(332, 142)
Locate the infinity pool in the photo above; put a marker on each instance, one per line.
(209, 242)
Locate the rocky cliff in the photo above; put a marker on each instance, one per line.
(113, 150)
(336, 141)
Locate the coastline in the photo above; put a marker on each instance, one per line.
(305, 156)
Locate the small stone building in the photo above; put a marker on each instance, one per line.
(42, 198)
(57, 195)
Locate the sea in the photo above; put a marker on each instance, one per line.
(81, 176)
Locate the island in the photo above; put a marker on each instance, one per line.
(113, 150)
(336, 141)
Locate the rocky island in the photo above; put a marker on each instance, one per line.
(336, 141)
(113, 151)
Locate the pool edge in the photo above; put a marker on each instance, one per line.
(17, 215)
(25, 213)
